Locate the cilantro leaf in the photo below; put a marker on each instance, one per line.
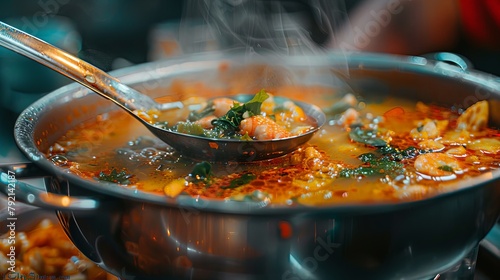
(115, 177)
(446, 168)
(240, 181)
(253, 106)
(202, 172)
(386, 162)
(366, 136)
(379, 166)
(190, 128)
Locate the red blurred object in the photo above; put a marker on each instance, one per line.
(481, 21)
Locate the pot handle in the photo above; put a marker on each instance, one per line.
(18, 191)
(450, 58)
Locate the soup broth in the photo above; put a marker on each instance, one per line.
(367, 152)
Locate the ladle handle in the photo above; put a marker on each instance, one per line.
(73, 68)
(19, 191)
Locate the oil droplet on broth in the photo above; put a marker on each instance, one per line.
(59, 160)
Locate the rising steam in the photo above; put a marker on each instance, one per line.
(287, 27)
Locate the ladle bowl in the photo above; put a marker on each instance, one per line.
(133, 101)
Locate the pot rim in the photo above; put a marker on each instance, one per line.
(29, 118)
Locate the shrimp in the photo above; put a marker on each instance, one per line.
(431, 145)
(485, 145)
(475, 118)
(437, 164)
(262, 128)
(206, 122)
(313, 159)
(349, 117)
(458, 151)
(456, 137)
(428, 129)
(222, 105)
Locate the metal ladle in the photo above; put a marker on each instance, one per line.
(131, 100)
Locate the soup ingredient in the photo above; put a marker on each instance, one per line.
(437, 164)
(428, 129)
(202, 172)
(223, 105)
(394, 112)
(262, 128)
(238, 182)
(45, 251)
(371, 152)
(387, 162)
(485, 145)
(459, 151)
(192, 128)
(260, 118)
(115, 177)
(431, 144)
(230, 122)
(475, 118)
(346, 102)
(175, 187)
(373, 166)
(366, 136)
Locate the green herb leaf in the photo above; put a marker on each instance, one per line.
(374, 167)
(228, 124)
(366, 136)
(246, 137)
(253, 106)
(337, 107)
(202, 172)
(446, 168)
(387, 162)
(367, 157)
(238, 182)
(115, 177)
(397, 154)
(190, 128)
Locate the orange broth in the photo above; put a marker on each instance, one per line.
(324, 171)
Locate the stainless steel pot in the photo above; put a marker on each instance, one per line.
(136, 235)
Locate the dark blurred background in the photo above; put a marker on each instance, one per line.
(113, 34)
(110, 34)
(108, 28)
